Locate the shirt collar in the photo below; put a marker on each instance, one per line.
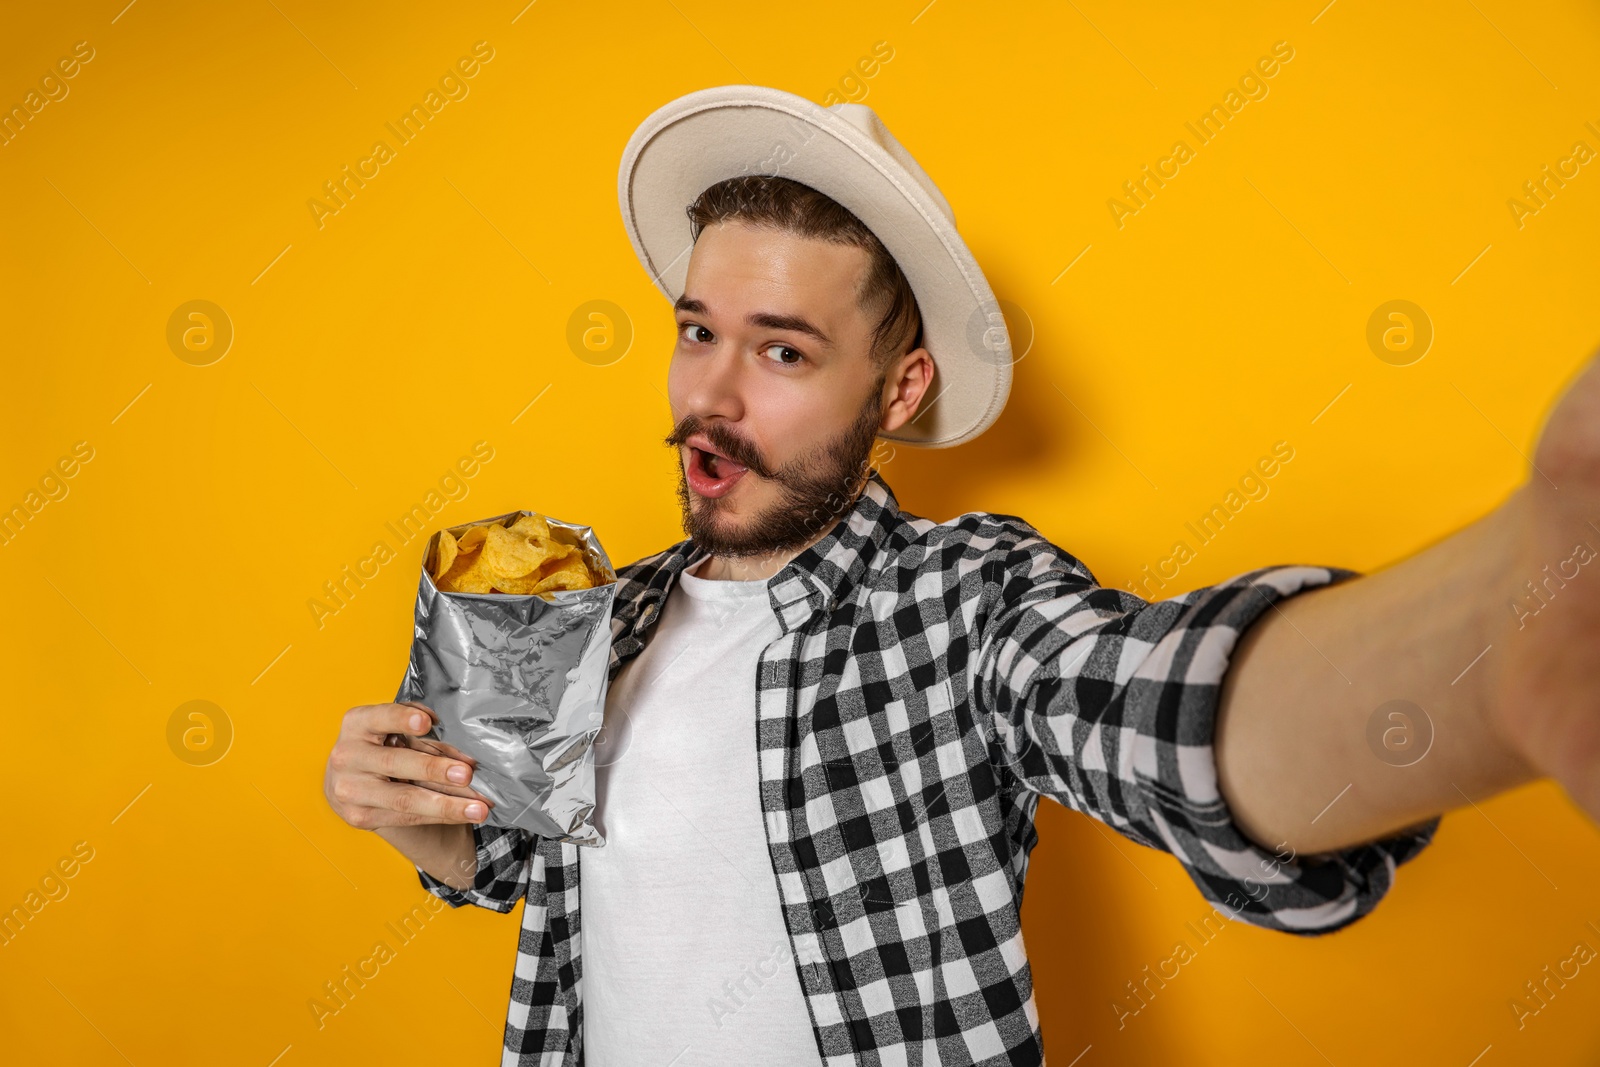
(821, 576)
(826, 573)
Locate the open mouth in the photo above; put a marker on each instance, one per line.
(711, 475)
(718, 467)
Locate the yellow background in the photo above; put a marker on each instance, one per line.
(428, 313)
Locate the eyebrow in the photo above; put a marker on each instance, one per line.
(765, 319)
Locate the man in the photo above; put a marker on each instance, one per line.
(830, 721)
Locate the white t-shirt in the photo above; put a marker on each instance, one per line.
(686, 960)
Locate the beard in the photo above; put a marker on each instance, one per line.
(814, 489)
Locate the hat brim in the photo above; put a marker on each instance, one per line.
(707, 136)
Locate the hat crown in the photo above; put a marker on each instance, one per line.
(866, 121)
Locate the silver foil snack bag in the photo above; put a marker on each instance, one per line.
(519, 683)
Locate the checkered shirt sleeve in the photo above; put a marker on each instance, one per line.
(501, 880)
(1107, 703)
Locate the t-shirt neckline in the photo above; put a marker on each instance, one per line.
(720, 589)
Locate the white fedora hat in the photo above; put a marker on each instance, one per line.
(845, 152)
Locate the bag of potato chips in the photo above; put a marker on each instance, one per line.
(511, 650)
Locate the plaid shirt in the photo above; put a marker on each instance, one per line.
(932, 682)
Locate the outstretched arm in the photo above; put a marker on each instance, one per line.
(1294, 813)
(1467, 669)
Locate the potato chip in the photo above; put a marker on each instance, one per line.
(467, 575)
(570, 573)
(523, 586)
(533, 527)
(521, 560)
(511, 555)
(446, 555)
(559, 550)
(563, 582)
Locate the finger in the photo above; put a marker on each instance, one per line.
(363, 792)
(420, 707)
(455, 753)
(441, 748)
(430, 806)
(407, 763)
(377, 721)
(377, 818)
(451, 790)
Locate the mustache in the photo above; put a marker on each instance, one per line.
(723, 440)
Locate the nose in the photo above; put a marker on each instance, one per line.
(708, 386)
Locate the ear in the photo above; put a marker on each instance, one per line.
(905, 385)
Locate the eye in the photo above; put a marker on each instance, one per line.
(688, 331)
(799, 356)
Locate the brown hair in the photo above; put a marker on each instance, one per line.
(785, 204)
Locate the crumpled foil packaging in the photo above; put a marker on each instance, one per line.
(519, 683)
